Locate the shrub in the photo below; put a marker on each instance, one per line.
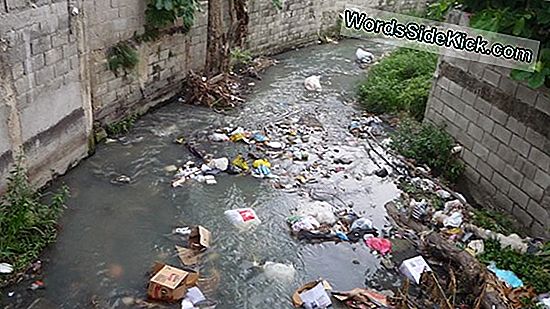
(430, 145)
(122, 56)
(27, 223)
(400, 82)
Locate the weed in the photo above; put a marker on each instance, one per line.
(428, 144)
(122, 56)
(239, 57)
(122, 126)
(494, 221)
(278, 4)
(28, 224)
(532, 269)
(400, 82)
(162, 13)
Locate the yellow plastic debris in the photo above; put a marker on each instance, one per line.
(237, 137)
(240, 162)
(261, 162)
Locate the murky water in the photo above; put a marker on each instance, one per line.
(112, 234)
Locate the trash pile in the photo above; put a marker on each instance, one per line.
(219, 91)
(172, 284)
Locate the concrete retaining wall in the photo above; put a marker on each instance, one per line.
(504, 127)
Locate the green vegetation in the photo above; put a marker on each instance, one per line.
(401, 82)
(239, 57)
(529, 19)
(530, 268)
(122, 126)
(418, 194)
(278, 4)
(162, 13)
(430, 145)
(493, 220)
(122, 56)
(28, 224)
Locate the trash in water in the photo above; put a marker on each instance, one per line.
(454, 220)
(6, 268)
(170, 168)
(218, 137)
(184, 231)
(278, 271)
(419, 209)
(361, 224)
(363, 56)
(38, 284)
(307, 223)
(444, 195)
(313, 295)
(199, 238)
(313, 83)
(221, 164)
(275, 145)
(381, 245)
(240, 162)
(188, 257)
(506, 275)
(121, 180)
(300, 155)
(260, 138)
(170, 283)
(382, 172)
(210, 179)
(322, 211)
(193, 296)
(414, 267)
(362, 298)
(262, 169)
(343, 160)
(243, 218)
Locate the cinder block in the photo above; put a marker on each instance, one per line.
(502, 134)
(455, 89)
(542, 178)
(53, 55)
(534, 191)
(491, 77)
(475, 131)
(528, 169)
(486, 123)
(522, 216)
(496, 163)
(520, 145)
(500, 182)
(534, 137)
(469, 157)
(526, 94)
(44, 76)
(516, 127)
(515, 177)
(484, 169)
(503, 201)
(538, 212)
(62, 67)
(540, 159)
(489, 141)
(482, 106)
(468, 97)
(508, 86)
(543, 103)
(499, 116)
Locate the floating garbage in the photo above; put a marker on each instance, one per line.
(260, 138)
(121, 180)
(275, 145)
(381, 245)
(313, 83)
(475, 247)
(240, 162)
(313, 295)
(243, 218)
(6, 268)
(361, 224)
(38, 284)
(221, 164)
(184, 231)
(262, 169)
(278, 271)
(444, 195)
(506, 275)
(362, 298)
(193, 297)
(364, 56)
(419, 209)
(218, 137)
(170, 283)
(414, 267)
(322, 211)
(307, 223)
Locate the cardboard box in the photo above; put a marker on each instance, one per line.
(316, 289)
(199, 239)
(170, 283)
(414, 267)
(188, 257)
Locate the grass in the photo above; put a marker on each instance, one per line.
(239, 57)
(401, 82)
(122, 126)
(28, 224)
(532, 269)
(430, 145)
(493, 220)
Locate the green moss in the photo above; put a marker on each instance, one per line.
(494, 221)
(122, 126)
(122, 56)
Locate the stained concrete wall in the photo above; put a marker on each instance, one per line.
(504, 127)
(56, 87)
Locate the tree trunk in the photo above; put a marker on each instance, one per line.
(215, 48)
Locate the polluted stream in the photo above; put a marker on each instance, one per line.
(112, 234)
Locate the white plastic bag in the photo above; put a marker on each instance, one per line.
(243, 218)
(322, 211)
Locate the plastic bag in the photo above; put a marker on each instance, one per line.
(361, 224)
(241, 163)
(243, 217)
(506, 275)
(218, 137)
(322, 211)
(307, 223)
(313, 83)
(381, 245)
(278, 271)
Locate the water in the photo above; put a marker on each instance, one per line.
(111, 235)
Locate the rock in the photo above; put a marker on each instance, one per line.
(383, 172)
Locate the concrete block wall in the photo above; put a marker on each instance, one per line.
(504, 128)
(42, 111)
